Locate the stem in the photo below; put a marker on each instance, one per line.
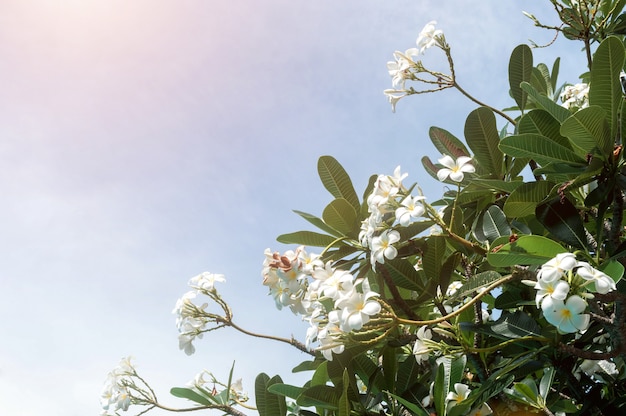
(480, 103)
(223, 407)
(463, 308)
(293, 342)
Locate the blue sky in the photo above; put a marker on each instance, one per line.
(143, 142)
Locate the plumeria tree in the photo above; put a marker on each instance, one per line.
(503, 296)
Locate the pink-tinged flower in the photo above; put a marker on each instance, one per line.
(557, 289)
(382, 246)
(460, 393)
(411, 208)
(455, 169)
(603, 282)
(568, 316)
(556, 268)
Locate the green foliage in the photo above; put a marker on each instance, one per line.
(509, 286)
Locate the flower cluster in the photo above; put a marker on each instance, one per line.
(404, 67)
(575, 97)
(116, 394)
(389, 204)
(330, 299)
(191, 319)
(563, 283)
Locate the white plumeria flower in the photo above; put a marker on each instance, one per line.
(483, 410)
(603, 283)
(356, 309)
(460, 393)
(420, 350)
(556, 289)
(393, 96)
(399, 69)
(593, 367)
(428, 37)
(206, 281)
(330, 341)
(411, 208)
(575, 96)
(382, 246)
(556, 268)
(455, 169)
(568, 316)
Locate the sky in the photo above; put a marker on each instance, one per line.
(144, 142)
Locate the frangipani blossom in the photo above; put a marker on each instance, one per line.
(568, 316)
(382, 247)
(356, 309)
(557, 289)
(428, 37)
(460, 393)
(483, 410)
(455, 169)
(206, 281)
(399, 69)
(556, 268)
(420, 350)
(411, 208)
(603, 283)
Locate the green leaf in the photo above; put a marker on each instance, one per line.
(497, 184)
(268, 404)
(605, 86)
(307, 366)
(520, 70)
(476, 282)
(403, 274)
(320, 377)
(326, 397)
(318, 223)
(516, 325)
(337, 181)
(542, 123)
(286, 390)
(341, 216)
(524, 199)
(526, 392)
(526, 250)
(433, 257)
(546, 103)
(614, 269)
(307, 238)
(546, 382)
(415, 409)
(440, 390)
(344, 401)
(449, 372)
(540, 148)
(447, 143)
(589, 131)
(561, 218)
(491, 224)
(430, 167)
(481, 134)
(189, 394)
